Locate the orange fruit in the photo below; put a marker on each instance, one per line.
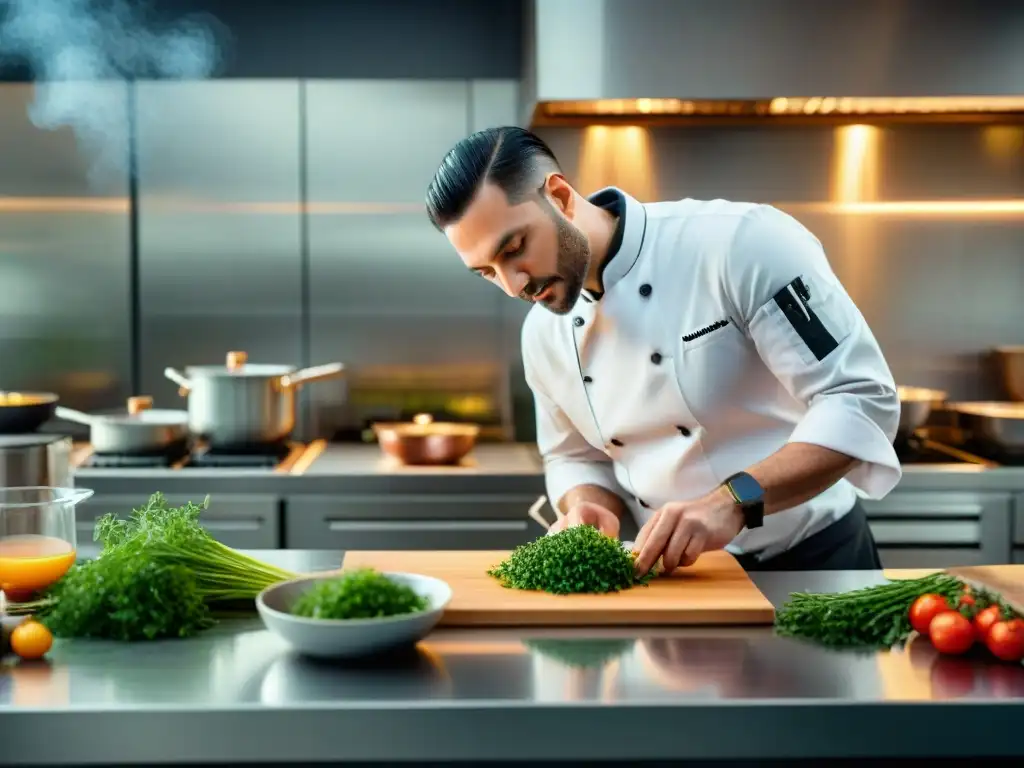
(31, 640)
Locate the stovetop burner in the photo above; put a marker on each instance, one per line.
(167, 458)
(242, 456)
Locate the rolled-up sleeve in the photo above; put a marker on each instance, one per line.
(816, 342)
(569, 460)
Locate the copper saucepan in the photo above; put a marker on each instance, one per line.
(425, 441)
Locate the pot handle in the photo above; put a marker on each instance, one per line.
(184, 385)
(70, 414)
(308, 375)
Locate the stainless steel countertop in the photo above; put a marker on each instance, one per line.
(340, 468)
(237, 695)
(494, 468)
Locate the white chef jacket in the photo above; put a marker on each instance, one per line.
(721, 335)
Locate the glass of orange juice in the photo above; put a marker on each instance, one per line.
(37, 538)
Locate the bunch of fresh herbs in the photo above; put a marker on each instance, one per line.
(872, 617)
(575, 560)
(160, 574)
(358, 594)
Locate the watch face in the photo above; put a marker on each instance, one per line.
(746, 488)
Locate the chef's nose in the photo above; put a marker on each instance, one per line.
(513, 281)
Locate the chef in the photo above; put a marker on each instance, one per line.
(695, 364)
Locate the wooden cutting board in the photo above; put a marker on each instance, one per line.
(1005, 580)
(715, 590)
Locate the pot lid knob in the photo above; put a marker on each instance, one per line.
(139, 404)
(237, 360)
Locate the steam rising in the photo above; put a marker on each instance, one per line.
(73, 46)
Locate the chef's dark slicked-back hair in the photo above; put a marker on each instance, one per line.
(513, 158)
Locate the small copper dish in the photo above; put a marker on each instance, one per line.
(424, 441)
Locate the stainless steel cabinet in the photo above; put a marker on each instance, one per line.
(64, 248)
(410, 522)
(220, 261)
(385, 287)
(241, 522)
(1018, 528)
(940, 529)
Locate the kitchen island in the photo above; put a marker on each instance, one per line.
(238, 696)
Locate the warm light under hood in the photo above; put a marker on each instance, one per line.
(684, 60)
(782, 107)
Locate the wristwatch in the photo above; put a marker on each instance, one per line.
(749, 494)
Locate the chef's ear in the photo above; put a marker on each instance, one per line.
(560, 193)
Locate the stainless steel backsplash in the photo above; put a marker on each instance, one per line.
(908, 216)
(284, 218)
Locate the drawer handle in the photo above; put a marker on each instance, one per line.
(252, 524)
(351, 526)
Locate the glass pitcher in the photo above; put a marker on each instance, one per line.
(37, 538)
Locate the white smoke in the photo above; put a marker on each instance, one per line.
(75, 48)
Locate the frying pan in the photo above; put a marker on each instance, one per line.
(22, 412)
(137, 431)
(916, 403)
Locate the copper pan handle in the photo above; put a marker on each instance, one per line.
(309, 375)
(184, 385)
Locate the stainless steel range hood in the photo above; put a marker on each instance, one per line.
(590, 60)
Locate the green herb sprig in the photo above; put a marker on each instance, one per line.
(871, 617)
(576, 560)
(358, 594)
(159, 575)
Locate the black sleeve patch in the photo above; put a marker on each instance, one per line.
(793, 301)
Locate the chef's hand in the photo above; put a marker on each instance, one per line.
(681, 530)
(589, 513)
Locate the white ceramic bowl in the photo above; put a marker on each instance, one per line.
(347, 638)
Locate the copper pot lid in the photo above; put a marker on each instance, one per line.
(423, 425)
(22, 399)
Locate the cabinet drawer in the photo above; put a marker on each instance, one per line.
(1018, 519)
(934, 505)
(930, 558)
(242, 522)
(409, 522)
(944, 532)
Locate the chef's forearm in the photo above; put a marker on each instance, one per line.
(798, 472)
(595, 494)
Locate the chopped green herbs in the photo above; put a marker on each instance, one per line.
(358, 594)
(576, 560)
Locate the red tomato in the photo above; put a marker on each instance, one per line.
(966, 600)
(1006, 640)
(926, 608)
(985, 618)
(951, 633)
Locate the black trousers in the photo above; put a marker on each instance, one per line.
(846, 545)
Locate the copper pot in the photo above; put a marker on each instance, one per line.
(1010, 361)
(425, 441)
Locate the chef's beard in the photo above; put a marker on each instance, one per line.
(571, 269)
